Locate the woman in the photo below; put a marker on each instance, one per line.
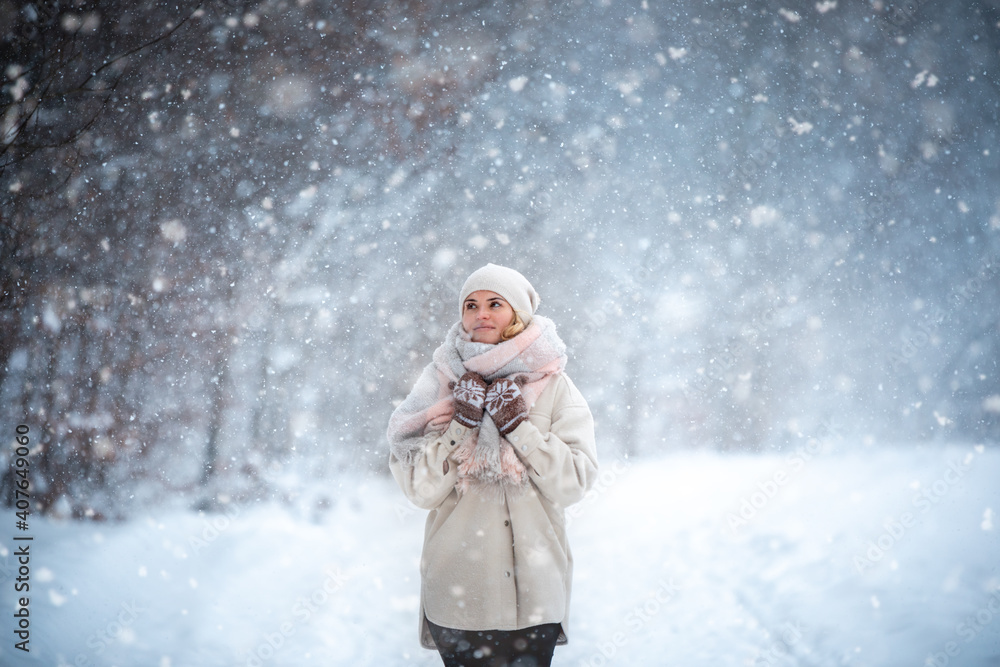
(496, 441)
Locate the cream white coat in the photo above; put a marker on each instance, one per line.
(503, 564)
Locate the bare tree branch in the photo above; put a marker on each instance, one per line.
(21, 141)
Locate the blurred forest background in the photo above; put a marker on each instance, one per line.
(232, 233)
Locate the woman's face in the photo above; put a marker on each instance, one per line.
(485, 315)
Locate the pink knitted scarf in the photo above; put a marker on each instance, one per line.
(487, 462)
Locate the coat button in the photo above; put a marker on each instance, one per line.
(453, 442)
(507, 573)
(506, 522)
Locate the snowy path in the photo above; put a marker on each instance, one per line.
(662, 576)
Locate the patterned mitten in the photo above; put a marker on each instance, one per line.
(506, 405)
(469, 394)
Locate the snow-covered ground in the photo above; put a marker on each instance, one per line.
(885, 556)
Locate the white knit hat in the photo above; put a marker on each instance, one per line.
(508, 283)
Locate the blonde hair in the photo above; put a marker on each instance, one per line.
(515, 327)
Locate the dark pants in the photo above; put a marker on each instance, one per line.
(530, 647)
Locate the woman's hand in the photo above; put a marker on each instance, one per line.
(506, 405)
(469, 395)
